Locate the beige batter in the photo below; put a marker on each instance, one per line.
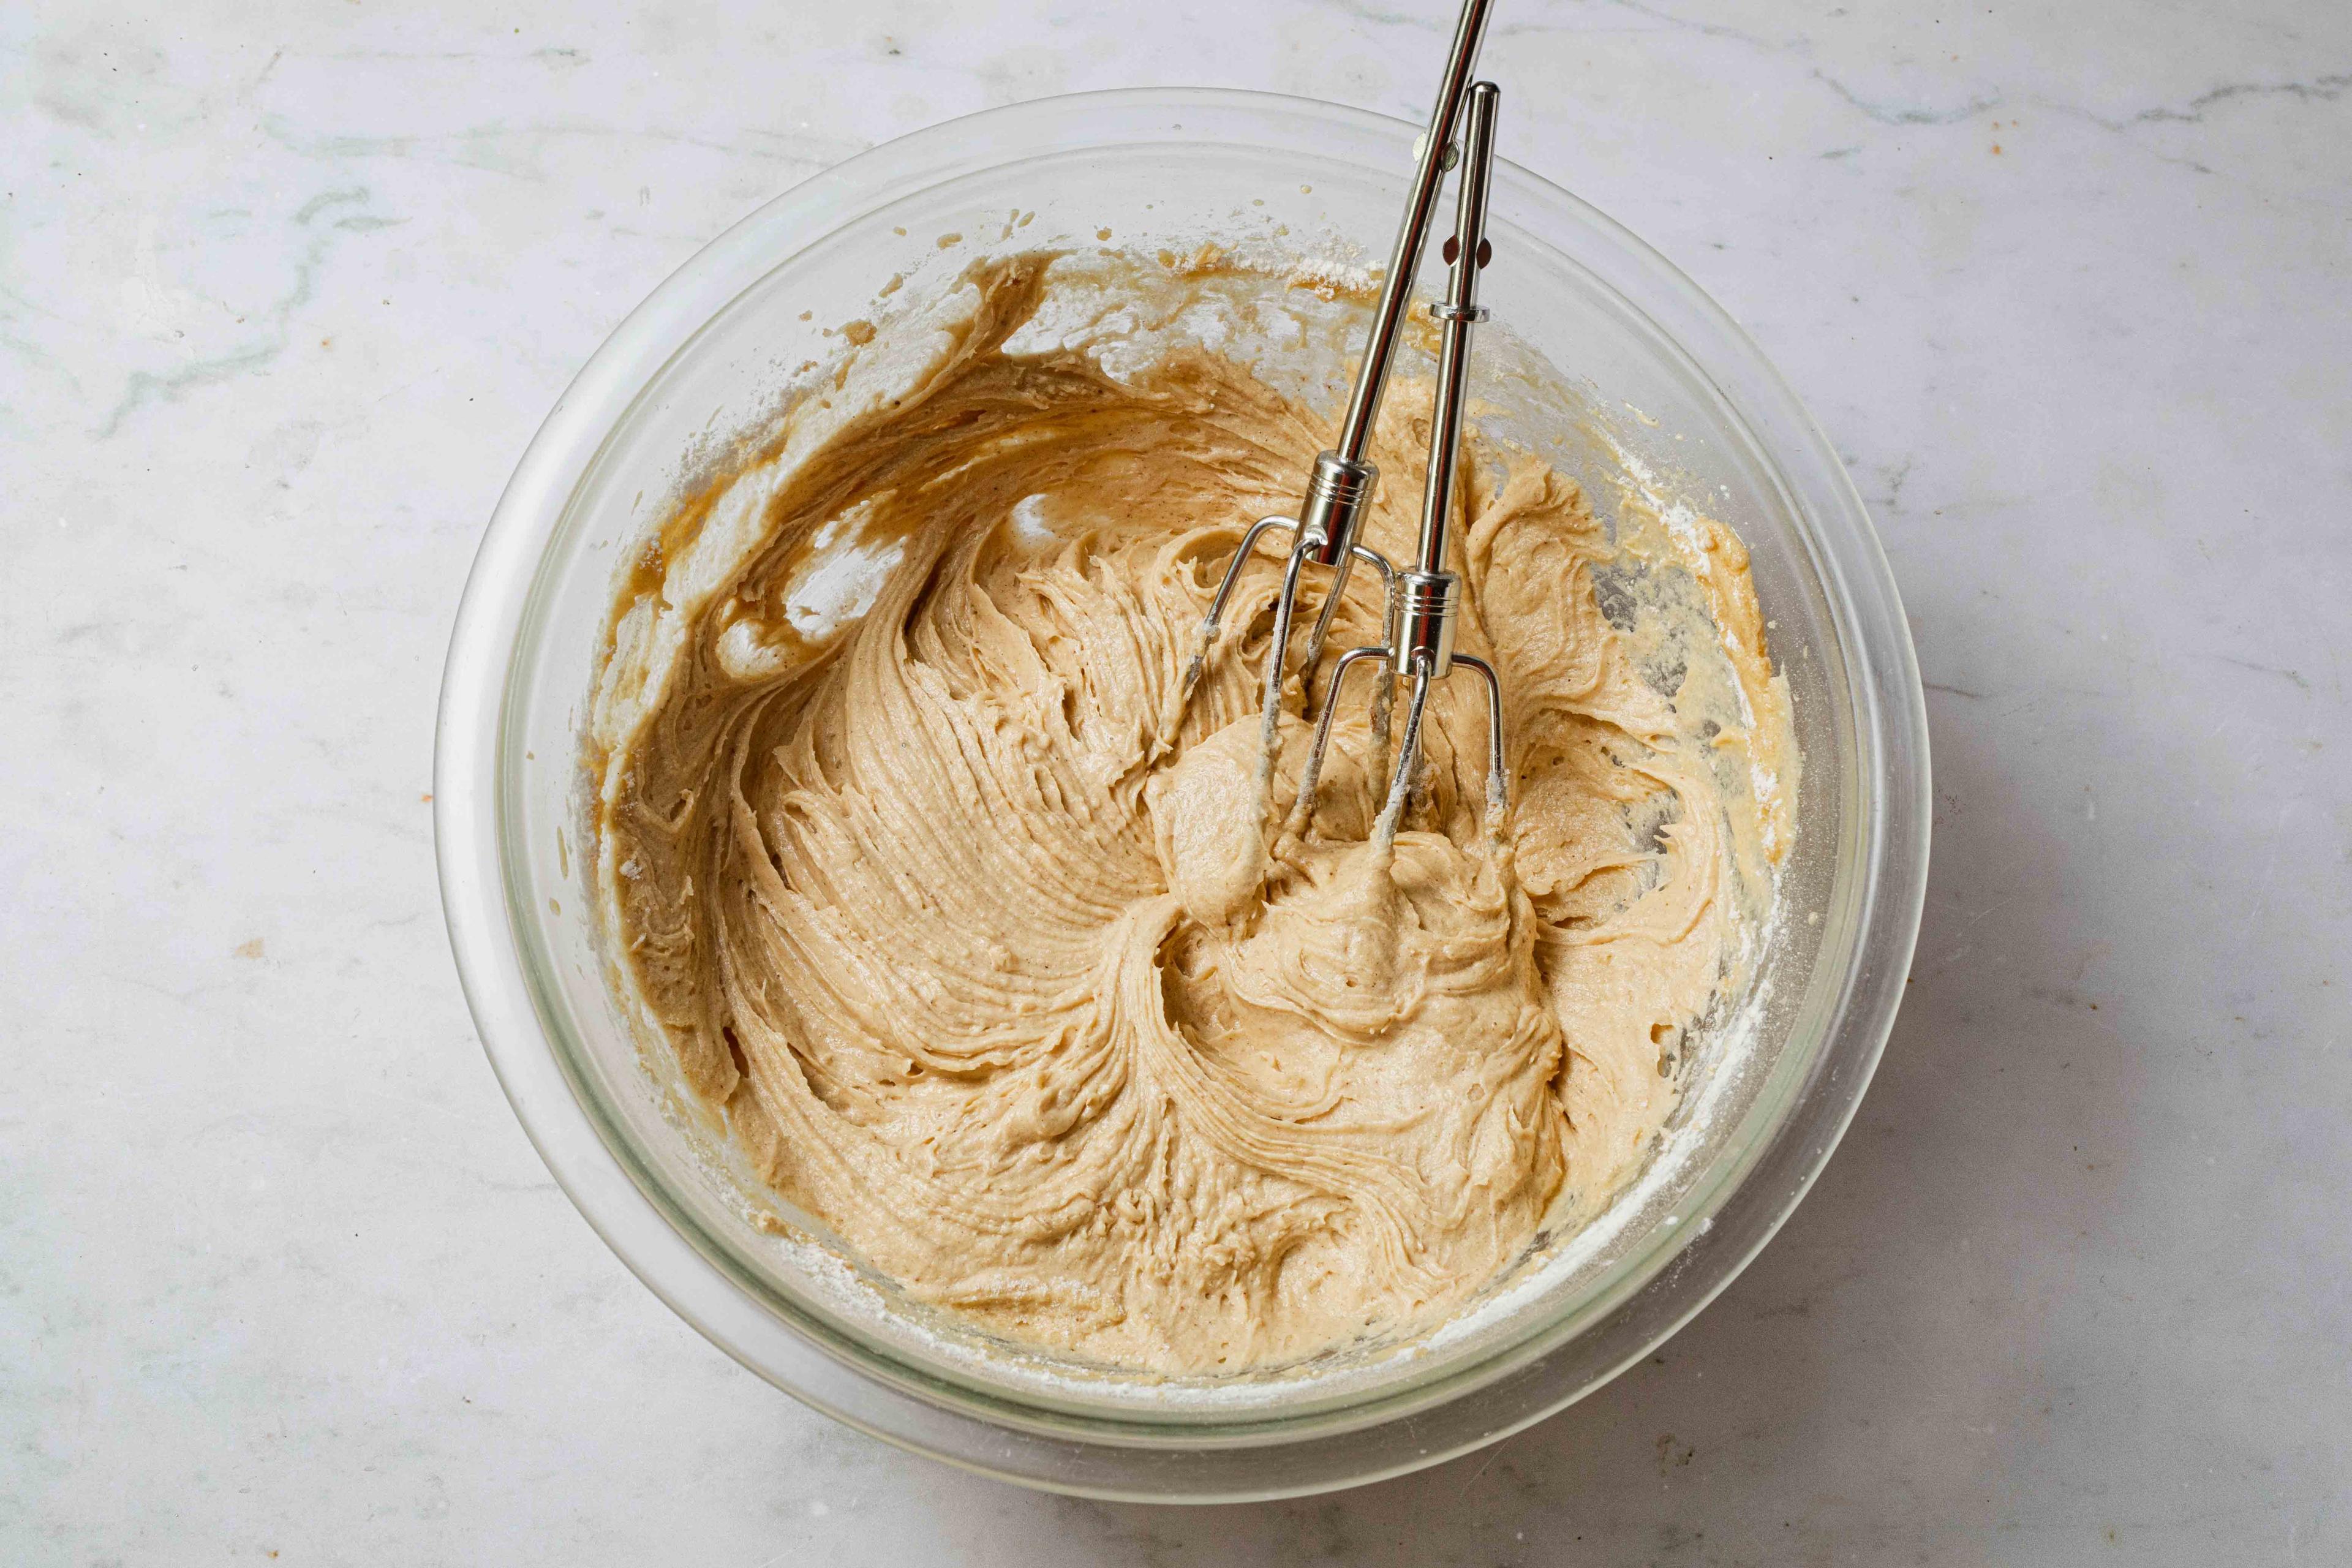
(989, 943)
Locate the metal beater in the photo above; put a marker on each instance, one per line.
(1344, 479)
(1426, 600)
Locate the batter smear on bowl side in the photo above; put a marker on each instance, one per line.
(992, 950)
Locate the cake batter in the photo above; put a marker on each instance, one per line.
(992, 949)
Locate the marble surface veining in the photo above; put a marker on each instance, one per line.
(285, 289)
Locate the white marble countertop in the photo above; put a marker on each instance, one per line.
(285, 289)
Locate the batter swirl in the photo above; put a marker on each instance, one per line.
(985, 942)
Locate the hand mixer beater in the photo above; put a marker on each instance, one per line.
(1423, 604)
(1426, 602)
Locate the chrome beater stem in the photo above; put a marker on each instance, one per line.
(1426, 600)
(1344, 479)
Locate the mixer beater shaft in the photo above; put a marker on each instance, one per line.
(1426, 602)
(1344, 479)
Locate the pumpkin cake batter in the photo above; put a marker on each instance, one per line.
(991, 946)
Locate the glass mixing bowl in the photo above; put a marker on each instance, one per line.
(707, 357)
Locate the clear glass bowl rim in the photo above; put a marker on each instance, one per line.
(1187, 1464)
